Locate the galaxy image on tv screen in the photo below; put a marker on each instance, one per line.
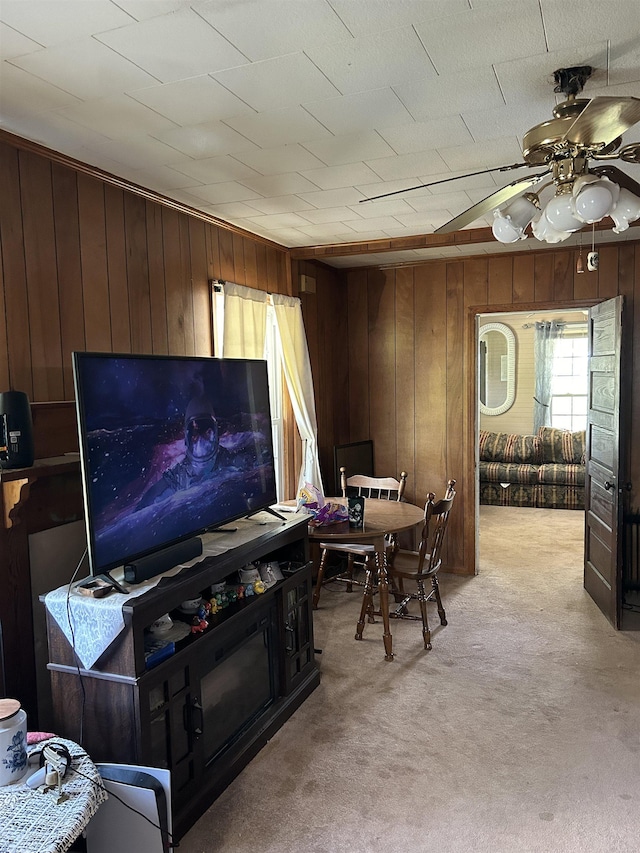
(170, 447)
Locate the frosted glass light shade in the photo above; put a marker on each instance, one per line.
(542, 230)
(559, 214)
(626, 210)
(594, 199)
(509, 225)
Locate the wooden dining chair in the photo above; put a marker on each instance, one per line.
(380, 488)
(417, 567)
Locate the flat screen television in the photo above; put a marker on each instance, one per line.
(170, 446)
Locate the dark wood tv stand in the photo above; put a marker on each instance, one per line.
(166, 716)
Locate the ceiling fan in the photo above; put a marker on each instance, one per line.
(582, 130)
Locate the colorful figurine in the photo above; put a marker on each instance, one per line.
(258, 587)
(248, 590)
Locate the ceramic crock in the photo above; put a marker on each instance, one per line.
(13, 741)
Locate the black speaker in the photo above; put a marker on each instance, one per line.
(155, 564)
(16, 430)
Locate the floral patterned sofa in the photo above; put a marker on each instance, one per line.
(544, 470)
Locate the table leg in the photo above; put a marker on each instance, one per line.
(383, 590)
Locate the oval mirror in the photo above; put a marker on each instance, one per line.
(497, 366)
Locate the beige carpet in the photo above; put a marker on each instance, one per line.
(518, 732)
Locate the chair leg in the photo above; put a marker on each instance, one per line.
(350, 573)
(320, 578)
(426, 633)
(436, 590)
(367, 599)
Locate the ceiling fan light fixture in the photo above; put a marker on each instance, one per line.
(627, 210)
(509, 224)
(594, 198)
(545, 232)
(559, 213)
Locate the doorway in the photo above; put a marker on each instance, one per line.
(567, 406)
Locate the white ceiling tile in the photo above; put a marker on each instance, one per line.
(330, 214)
(174, 46)
(333, 177)
(234, 209)
(408, 165)
(116, 117)
(493, 33)
(373, 61)
(142, 9)
(216, 169)
(138, 152)
(430, 219)
(13, 43)
(333, 198)
(282, 204)
(84, 68)
(363, 111)
(191, 101)
(328, 233)
(437, 202)
(23, 94)
(494, 152)
(461, 183)
(509, 120)
(277, 83)
(350, 148)
(585, 21)
(161, 178)
(450, 95)
(205, 140)
(398, 188)
(388, 207)
(278, 127)
(273, 161)
(380, 223)
(529, 79)
(224, 192)
(279, 220)
(425, 135)
(54, 131)
(50, 23)
(367, 16)
(263, 29)
(274, 185)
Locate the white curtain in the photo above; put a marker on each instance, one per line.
(296, 366)
(547, 333)
(245, 322)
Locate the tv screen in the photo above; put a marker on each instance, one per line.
(170, 446)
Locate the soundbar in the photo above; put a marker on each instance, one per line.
(161, 561)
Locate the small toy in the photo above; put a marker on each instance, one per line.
(224, 599)
(198, 625)
(232, 595)
(214, 606)
(240, 591)
(248, 590)
(258, 587)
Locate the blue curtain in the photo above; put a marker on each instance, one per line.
(547, 333)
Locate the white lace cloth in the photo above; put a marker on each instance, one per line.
(32, 821)
(92, 624)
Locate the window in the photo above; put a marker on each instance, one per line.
(569, 383)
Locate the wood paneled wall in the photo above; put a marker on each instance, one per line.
(411, 345)
(88, 265)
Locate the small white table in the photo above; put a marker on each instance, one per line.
(33, 822)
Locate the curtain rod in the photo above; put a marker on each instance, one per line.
(561, 322)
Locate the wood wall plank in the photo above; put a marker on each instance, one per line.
(65, 206)
(93, 256)
(500, 285)
(405, 332)
(357, 349)
(36, 194)
(382, 365)
(157, 285)
(138, 273)
(202, 329)
(117, 269)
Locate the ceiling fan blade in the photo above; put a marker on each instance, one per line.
(603, 120)
(446, 180)
(492, 201)
(619, 177)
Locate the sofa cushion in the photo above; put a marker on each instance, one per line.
(562, 445)
(509, 447)
(561, 475)
(508, 472)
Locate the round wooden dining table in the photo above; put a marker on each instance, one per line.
(380, 517)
